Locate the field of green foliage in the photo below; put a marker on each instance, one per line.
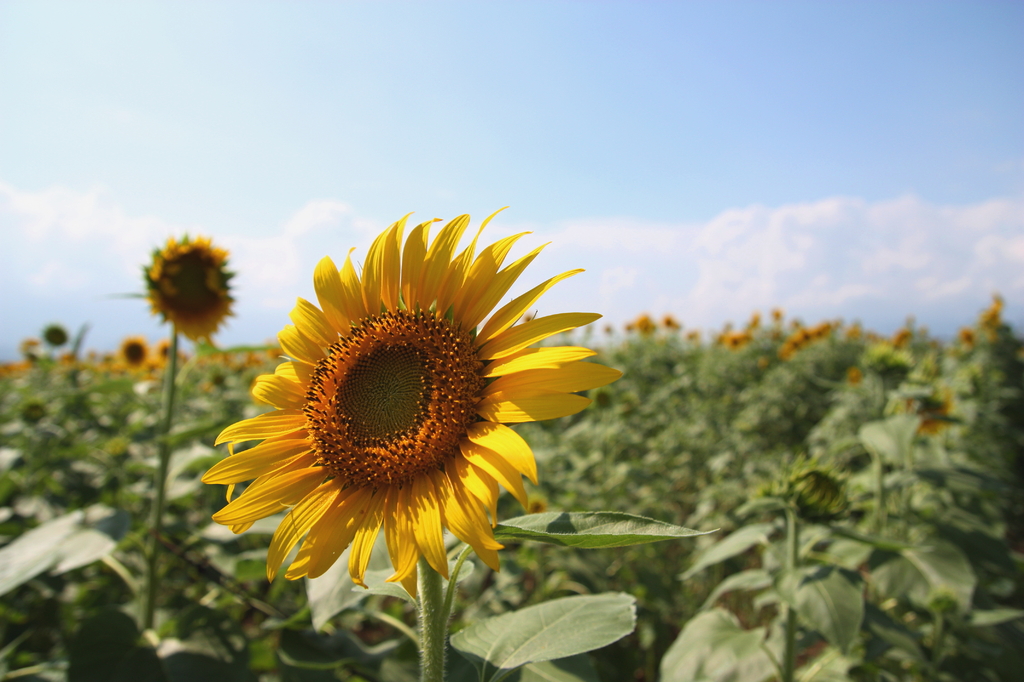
(868, 496)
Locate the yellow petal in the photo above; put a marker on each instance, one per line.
(497, 288)
(313, 324)
(381, 273)
(259, 501)
(480, 276)
(500, 407)
(464, 517)
(508, 444)
(400, 533)
(537, 358)
(278, 391)
(413, 256)
(512, 311)
(296, 371)
(456, 275)
(331, 535)
(263, 426)
(366, 535)
(297, 523)
(426, 519)
(327, 284)
(297, 345)
(572, 378)
(439, 256)
(495, 466)
(256, 461)
(521, 336)
(352, 291)
(479, 483)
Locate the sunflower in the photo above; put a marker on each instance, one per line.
(392, 411)
(187, 284)
(134, 351)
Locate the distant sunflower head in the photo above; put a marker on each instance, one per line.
(55, 335)
(188, 285)
(392, 411)
(134, 351)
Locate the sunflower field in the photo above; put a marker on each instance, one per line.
(856, 505)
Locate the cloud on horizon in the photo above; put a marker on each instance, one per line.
(67, 251)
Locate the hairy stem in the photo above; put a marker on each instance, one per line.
(433, 624)
(792, 563)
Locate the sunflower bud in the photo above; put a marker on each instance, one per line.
(55, 335)
(817, 495)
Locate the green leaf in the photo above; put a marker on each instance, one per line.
(753, 579)
(886, 633)
(36, 551)
(578, 668)
(554, 629)
(81, 548)
(828, 599)
(914, 573)
(589, 529)
(191, 666)
(980, 618)
(830, 666)
(106, 649)
(892, 439)
(874, 541)
(713, 646)
(737, 542)
(314, 651)
(760, 505)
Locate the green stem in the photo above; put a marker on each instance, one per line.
(792, 563)
(453, 580)
(937, 636)
(880, 511)
(156, 523)
(433, 624)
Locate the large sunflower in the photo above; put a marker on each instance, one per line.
(187, 284)
(392, 410)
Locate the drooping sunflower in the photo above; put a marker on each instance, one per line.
(134, 351)
(392, 411)
(188, 285)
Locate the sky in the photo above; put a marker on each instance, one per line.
(862, 160)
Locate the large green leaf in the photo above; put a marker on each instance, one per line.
(753, 579)
(333, 592)
(914, 573)
(828, 599)
(578, 668)
(106, 649)
(713, 646)
(892, 439)
(737, 542)
(589, 529)
(554, 629)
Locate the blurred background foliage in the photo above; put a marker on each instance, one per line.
(901, 460)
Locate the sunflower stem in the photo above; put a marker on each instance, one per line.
(156, 523)
(433, 624)
(792, 563)
(453, 580)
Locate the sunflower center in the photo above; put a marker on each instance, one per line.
(189, 276)
(384, 394)
(393, 398)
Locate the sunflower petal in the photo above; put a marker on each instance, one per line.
(479, 483)
(329, 292)
(400, 533)
(329, 536)
(497, 288)
(263, 426)
(466, 519)
(480, 276)
(365, 536)
(507, 315)
(538, 406)
(496, 466)
(551, 357)
(456, 275)
(527, 333)
(381, 272)
(262, 459)
(413, 256)
(426, 519)
(572, 378)
(439, 256)
(352, 291)
(313, 324)
(278, 391)
(297, 345)
(296, 371)
(297, 523)
(257, 502)
(508, 444)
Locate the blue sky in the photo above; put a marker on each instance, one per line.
(851, 159)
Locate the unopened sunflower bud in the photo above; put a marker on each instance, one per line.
(818, 495)
(55, 335)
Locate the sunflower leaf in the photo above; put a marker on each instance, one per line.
(554, 629)
(589, 529)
